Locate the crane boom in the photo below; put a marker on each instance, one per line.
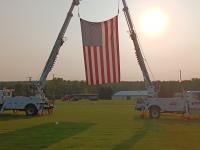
(59, 42)
(148, 84)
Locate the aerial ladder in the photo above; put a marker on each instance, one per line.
(56, 48)
(148, 83)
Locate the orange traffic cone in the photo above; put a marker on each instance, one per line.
(40, 113)
(142, 115)
(187, 116)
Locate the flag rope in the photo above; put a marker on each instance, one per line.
(78, 12)
(118, 9)
(118, 5)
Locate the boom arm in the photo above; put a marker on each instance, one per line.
(59, 42)
(148, 84)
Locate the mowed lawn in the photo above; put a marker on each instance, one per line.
(92, 125)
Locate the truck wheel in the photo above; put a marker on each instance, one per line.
(154, 112)
(31, 110)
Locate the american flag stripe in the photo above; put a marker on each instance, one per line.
(99, 65)
(90, 65)
(107, 52)
(93, 65)
(87, 66)
(85, 61)
(102, 63)
(102, 66)
(96, 65)
(113, 51)
(104, 52)
(116, 50)
(118, 59)
(110, 50)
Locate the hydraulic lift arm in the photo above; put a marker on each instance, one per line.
(148, 84)
(59, 42)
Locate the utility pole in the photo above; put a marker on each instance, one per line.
(29, 79)
(181, 82)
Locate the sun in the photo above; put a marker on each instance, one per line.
(154, 21)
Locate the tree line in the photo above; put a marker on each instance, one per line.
(58, 87)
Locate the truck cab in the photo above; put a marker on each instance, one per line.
(5, 94)
(193, 102)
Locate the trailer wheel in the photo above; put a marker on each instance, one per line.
(31, 110)
(154, 112)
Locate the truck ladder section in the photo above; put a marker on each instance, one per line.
(59, 42)
(148, 84)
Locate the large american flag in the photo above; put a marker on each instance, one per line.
(101, 51)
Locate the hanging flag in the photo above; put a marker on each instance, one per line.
(101, 51)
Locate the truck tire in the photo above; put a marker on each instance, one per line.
(154, 112)
(31, 110)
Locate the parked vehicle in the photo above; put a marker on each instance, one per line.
(31, 105)
(155, 105)
(188, 103)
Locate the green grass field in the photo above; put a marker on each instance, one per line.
(91, 125)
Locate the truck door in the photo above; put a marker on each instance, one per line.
(174, 105)
(194, 106)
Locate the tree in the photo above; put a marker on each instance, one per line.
(55, 88)
(105, 92)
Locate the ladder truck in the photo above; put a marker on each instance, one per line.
(188, 104)
(34, 104)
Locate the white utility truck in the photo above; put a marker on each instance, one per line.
(31, 105)
(189, 103)
(34, 104)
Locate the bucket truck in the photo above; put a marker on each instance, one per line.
(189, 103)
(34, 104)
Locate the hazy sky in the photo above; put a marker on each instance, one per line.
(29, 28)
